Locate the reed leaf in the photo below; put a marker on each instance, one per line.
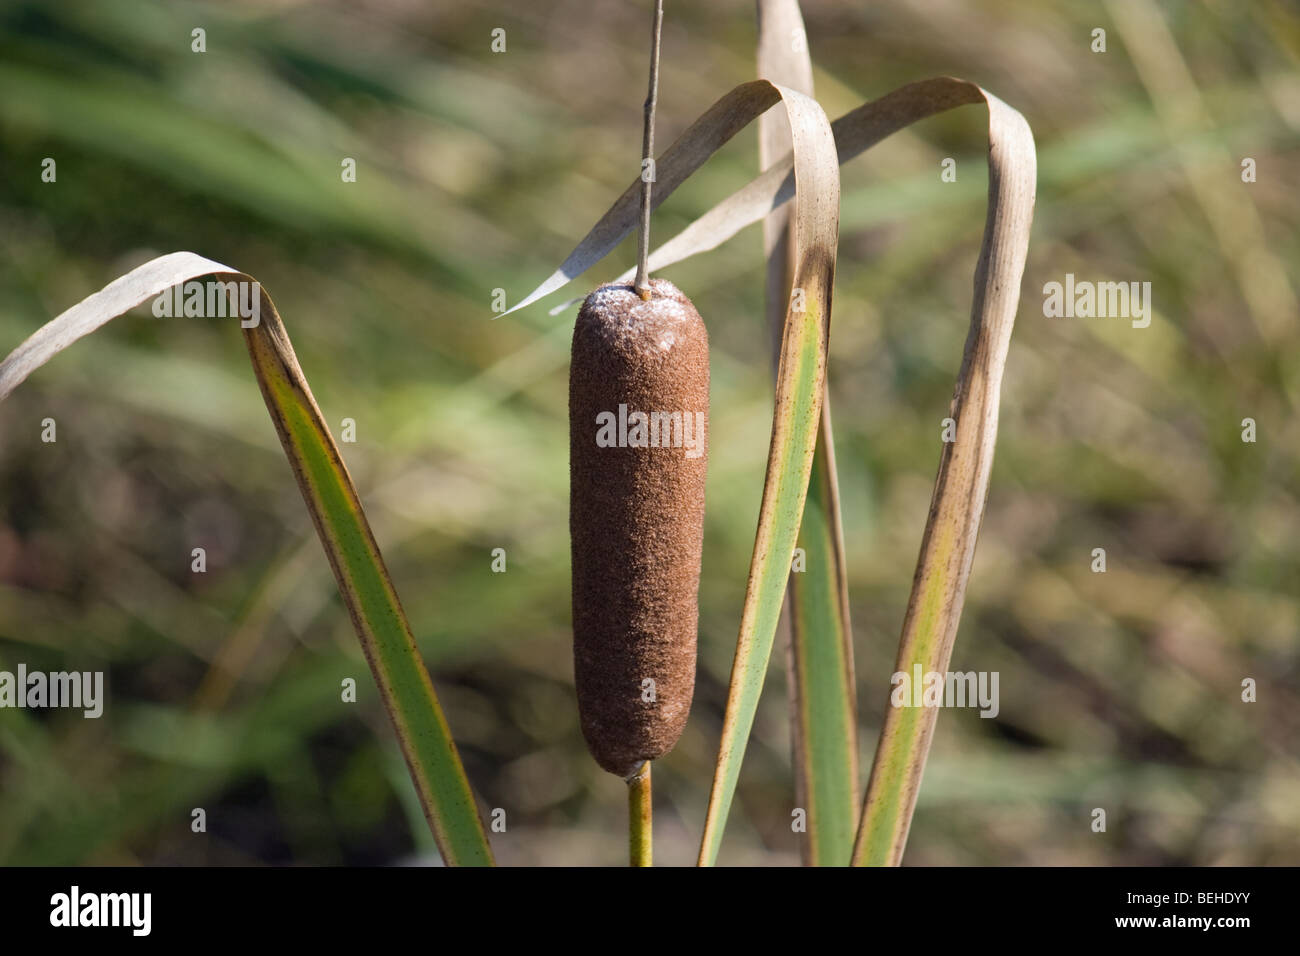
(960, 490)
(340, 521)
(819, 664)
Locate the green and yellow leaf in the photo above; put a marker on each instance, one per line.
(340, 521)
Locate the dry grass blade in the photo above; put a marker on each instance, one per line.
(820, 674)
(121, 295)
(782, 58)
(855, 132)
(723, 120)
(341, 523)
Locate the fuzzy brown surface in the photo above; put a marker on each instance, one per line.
(636, 522)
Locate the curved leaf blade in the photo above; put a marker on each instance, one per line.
(855, 132)
(801, 377)
(341, 524)
(960, 490)
(715, 127)
(819, 664)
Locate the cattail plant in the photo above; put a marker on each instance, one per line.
(800, 455)
(638, 426)
(638, 411)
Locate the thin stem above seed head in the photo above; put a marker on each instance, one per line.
(642, 281)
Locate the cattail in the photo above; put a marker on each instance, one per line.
(638, 413)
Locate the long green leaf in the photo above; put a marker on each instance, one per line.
(823, 705)
(801, 379)
(345, 534)
(823, 685)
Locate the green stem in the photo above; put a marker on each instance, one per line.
(640, 840)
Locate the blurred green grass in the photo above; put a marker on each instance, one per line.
(479, 171)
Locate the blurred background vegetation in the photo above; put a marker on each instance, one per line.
(479, 171)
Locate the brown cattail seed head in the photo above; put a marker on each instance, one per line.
(638, 432)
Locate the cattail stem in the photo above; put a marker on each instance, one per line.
(642, 281)
(640, 817)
